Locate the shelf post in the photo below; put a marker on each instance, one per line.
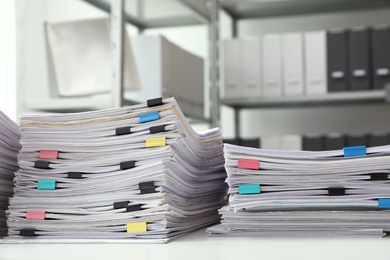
(237, 122)
(117, 32)
(214, 58)
(21, 42)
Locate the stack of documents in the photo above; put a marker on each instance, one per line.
(9, 148)
(138, 173)
(300, 193)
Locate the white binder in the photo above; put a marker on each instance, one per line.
(293, 79)
(250, 67)
(315, 61)
(291, 142)
(270, 142)
(231, 77)
(272, 65)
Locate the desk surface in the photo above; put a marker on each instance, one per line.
(197, 246)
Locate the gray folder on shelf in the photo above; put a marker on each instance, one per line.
(357, 140)
(337, 60)
(380, 56)
(359, 58)
(334, 142)
(378, 139)
(313, 143)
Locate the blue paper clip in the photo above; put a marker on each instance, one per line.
(354, 151)
(384, 203)
(152, 116)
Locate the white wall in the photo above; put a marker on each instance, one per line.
(328, 119)
(34, 58)
(8, 59)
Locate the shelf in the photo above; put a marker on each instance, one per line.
(101, 101)
(147, 14)
(244, 9)
(339, 98)
(73, 104)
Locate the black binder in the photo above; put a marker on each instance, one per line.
(334, 142)
(337, 61)
(380, 57)
(359, 59)
(254, 142)
(357, 140)
(313, 143)
(378, 139)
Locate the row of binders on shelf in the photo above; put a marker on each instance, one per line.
(9, 148)
(306, 63)
(136, 173)
(342, 193)
(332, 141)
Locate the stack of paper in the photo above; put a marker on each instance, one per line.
(296, 193)
(138, 173)
(9, 148)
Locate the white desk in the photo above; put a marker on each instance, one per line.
(198, 246)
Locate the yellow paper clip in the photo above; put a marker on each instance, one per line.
(136, 227)
(155, 142)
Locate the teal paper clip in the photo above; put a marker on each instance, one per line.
(354, 151)
(384, 203)
(249, 189)
(46, 185)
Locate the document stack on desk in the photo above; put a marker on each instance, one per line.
(300, 193)
(9, 148)
(137, 173)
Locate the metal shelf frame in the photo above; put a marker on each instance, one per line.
(118, 20)
(194, 13)
(335, 98)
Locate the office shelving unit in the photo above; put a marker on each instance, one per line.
(247, 9)
(137, 13)
(208, 247)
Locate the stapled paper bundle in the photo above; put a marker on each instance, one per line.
(9, 148)
(136, 173)
(300, 193)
